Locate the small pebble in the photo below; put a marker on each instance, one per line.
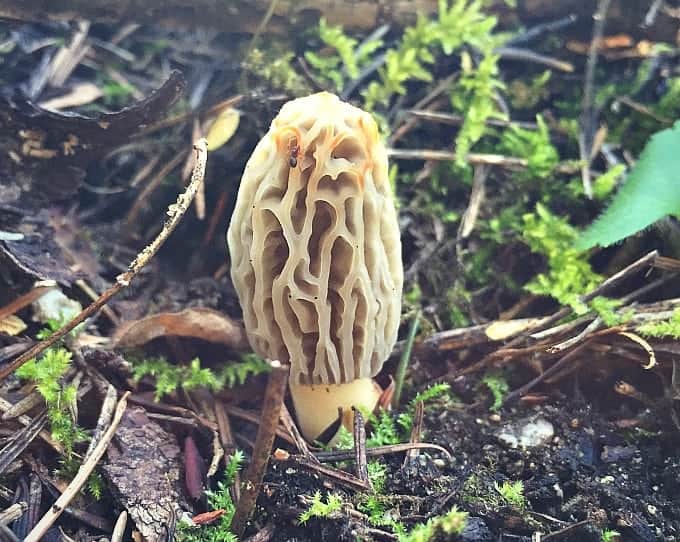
(527, 434)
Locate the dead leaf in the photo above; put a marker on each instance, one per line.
(194, 469)
(645, 345)
(51, 150)
(223, 128)
(206, 518)
(198, 323)
(502, 329)
(12, 325)
(80, 94)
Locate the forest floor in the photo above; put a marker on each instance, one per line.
(543, 410)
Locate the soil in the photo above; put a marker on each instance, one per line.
(602, 455)
(589, 475)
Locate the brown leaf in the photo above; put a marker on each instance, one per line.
(49, 151)
(206, 518)
(194, 467)
(199, 323)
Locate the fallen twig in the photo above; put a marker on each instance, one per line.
(416, 431)
(549, 27)
(508, 162)
(254, 418)
(360, 462)
(377, 451)
(142, 198)
(176, 212)
(269, 421)
(226, 437)
(509, 350)
(20, 441)
(23, 405)
(588, 114)
(105, 417)
(172, 410)
(119, 528)
(336, 475)
(300, 442)
(526, 55)
(80, 478)
(457, 120)
(557, 366)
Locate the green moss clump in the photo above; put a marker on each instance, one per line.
(569, 273)
(667, 328)
(171, 377)
(220, 499)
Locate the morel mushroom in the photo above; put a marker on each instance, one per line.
(316, 255)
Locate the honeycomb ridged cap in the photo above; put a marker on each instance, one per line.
(315, 246)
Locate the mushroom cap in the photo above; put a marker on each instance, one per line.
(314, 244)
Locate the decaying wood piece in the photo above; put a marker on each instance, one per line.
(235, 16)
(143, 450)
(626, 16)
(48, 151)
(244, 16)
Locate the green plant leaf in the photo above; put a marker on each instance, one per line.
(650, 193)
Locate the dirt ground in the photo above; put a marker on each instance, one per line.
(581, 411)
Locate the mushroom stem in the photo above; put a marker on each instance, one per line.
(317, 406)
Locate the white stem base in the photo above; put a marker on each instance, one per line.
(317, 406)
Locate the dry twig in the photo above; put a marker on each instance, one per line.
(300, 442)
(269, 421)
(588, 114)
(416, 431)
(20, 441)
(335, 475)
(360, 462)
(377, 451)
(80, 478)
(176, 212)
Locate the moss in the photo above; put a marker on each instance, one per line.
(512, 493)
(527, 94)
(474, 95)
(170, 377)
(452, 524)
(667, 328)
(499, 388)
(569, 274)
(220, 499)
(343, 57)
(273, 64)
(320, 509)
(532, 145)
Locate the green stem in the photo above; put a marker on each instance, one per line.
(404, 361)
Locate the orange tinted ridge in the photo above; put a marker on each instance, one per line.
(370, 136)
(337, 139)
(285, 144)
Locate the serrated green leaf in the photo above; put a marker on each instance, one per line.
(651, 192)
